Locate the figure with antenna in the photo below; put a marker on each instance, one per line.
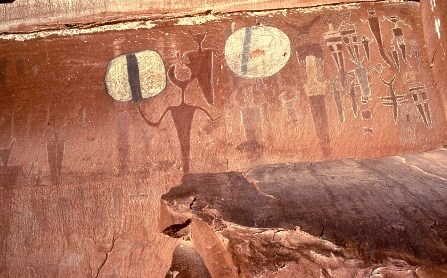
(362, 78)
(350, 39)
(334, 42)
(183, 116)
(304, 29)
(393, 100)
(201, 63)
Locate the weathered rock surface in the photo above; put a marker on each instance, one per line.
(187, 262)
(351, 218)
(82, 170)
(34, 15)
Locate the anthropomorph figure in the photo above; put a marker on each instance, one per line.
(338, 99)
(183, 115)
(393, 99)
(201, 63)
(55, 150)
(251, 118)
(374, 25)
(310, 57)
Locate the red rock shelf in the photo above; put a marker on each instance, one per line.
(347, 218)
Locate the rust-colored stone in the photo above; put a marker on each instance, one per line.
(81, 173)
(232, 121)
(350, 218)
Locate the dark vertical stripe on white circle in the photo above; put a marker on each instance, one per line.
(134, 76)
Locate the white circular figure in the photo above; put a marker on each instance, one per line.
(257, 51)
(136, 76)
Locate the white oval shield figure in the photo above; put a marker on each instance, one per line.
(135, 76)
(257, 51)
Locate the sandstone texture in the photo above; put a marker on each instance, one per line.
(351, 218)
(100, 116)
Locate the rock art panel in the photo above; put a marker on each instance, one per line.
(257, 51)
(348, 67)
(139, 108)
(136, 76)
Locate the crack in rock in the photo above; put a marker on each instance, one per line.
(177, 230)
(404, 160)
(148, 21)
(106, 257)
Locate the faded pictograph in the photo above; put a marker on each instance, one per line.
(246, 117)
(251, 115)
(310, 57)
(362, 80)
(289, 103)
(353, 98)
(334, 43)
(8, 173)
(415, 53)
(123, 144)
(304, 29)
(338, 99)
(257, 51)
(3, 72)
(365, 43)
(55, 152)
(398, 42)
(419, 96)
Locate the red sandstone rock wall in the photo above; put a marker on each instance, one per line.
(326, 94)
(83, 167)
(32, 15)
(435, 32)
